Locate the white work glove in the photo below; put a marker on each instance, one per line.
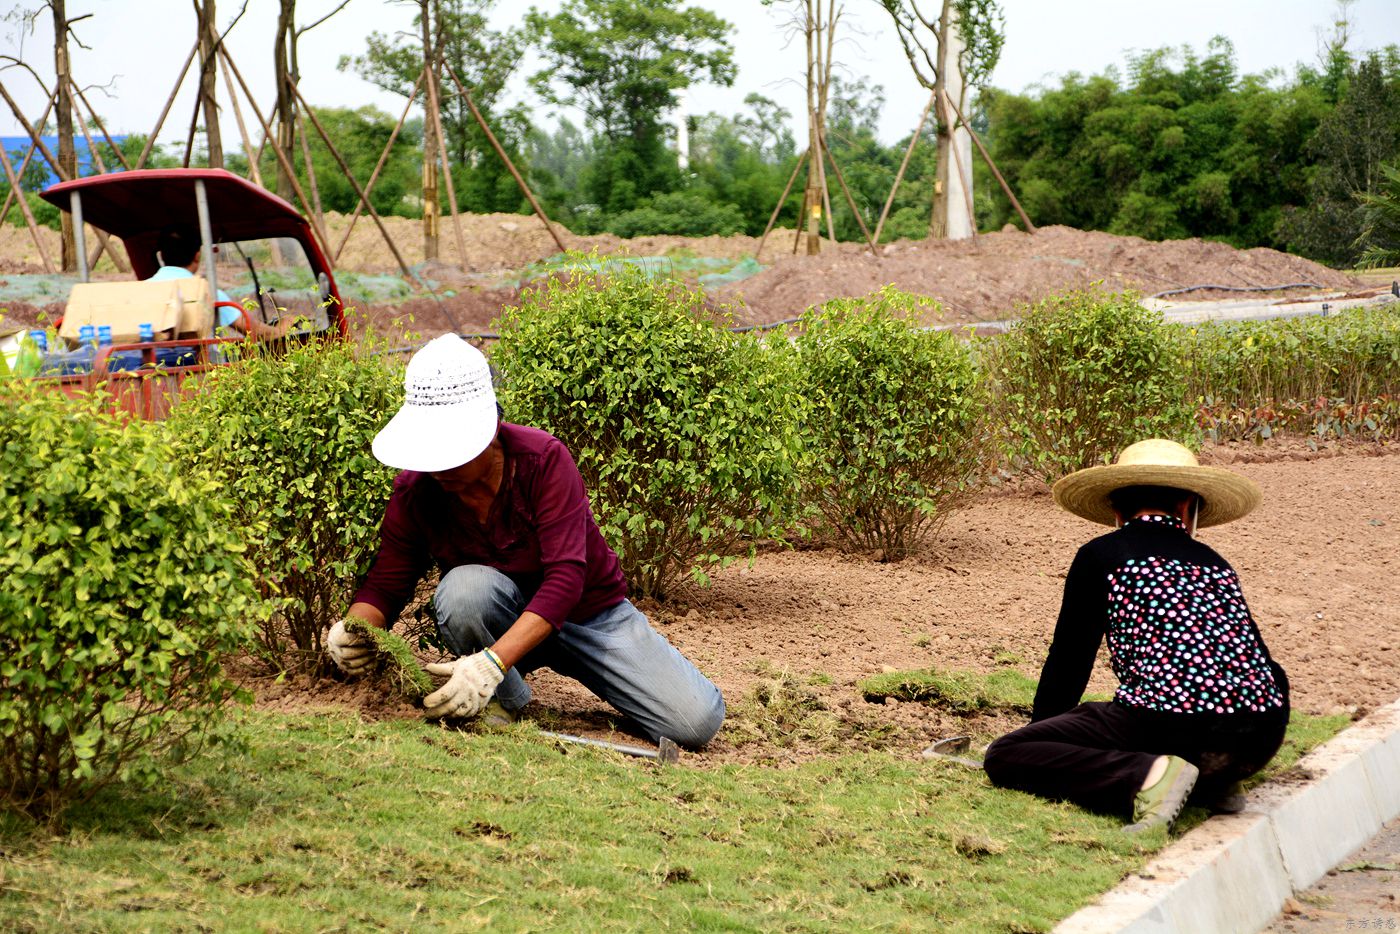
(352, 652)
(471, 681)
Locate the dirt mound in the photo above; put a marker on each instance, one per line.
(975, 280)
(989, 277)
(500, 243)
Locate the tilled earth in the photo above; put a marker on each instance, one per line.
(789, 637)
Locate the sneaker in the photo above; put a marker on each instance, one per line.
(496, 716)
(1159, 804)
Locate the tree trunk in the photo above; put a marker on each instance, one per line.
(938, 219)
(812, 199)
(67, 155)
(286, 103)
(431, 211)
(208, 62)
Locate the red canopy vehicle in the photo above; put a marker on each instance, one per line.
(252, 241)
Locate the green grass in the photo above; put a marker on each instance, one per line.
(328, 823)
(961, 691)
(395, 659)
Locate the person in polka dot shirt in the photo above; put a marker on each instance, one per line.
(1200, 704)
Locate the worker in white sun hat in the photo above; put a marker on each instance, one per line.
(527, 580)
(1200, 704)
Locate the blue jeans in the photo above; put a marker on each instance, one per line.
(615, 654)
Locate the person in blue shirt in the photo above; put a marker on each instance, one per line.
(178, 249)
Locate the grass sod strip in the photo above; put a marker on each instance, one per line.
(395, 658)
(328, 822)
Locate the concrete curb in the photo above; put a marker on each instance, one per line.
(1232, 874)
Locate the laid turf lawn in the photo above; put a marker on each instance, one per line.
(328, 823)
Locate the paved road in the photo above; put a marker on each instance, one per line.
(1362, 894)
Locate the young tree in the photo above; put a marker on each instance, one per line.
(928, 44)
(288, 71)
(621, 62)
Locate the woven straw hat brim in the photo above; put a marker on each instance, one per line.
(1225, 495)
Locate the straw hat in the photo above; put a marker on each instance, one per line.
(449, 412)
(1225, 495)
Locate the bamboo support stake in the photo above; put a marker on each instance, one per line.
(165, 112)
(24, 209)
(253, 172)
(899, 176)
(102, 243)
(436, 103)
(116, 150)
(1030, 228)
(773, 218)
(539, 211)
(28, 155)
(48, 157)
(850, 201)
(340, 161)
(310, 169)
(383, 158)
(277, 150)
(802, 216)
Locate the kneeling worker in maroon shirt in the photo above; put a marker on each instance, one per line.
(527, 579)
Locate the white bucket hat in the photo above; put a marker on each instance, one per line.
(1225, 495)
(449, 412)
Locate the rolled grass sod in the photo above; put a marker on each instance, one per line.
(394, 658)
(331, 823)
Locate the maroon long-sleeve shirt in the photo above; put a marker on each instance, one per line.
(540, 532)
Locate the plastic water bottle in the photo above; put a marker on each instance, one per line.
(104, 335)
(147, 332)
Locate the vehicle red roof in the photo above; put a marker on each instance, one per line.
(137, 205)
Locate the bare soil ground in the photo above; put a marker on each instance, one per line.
(788, 638)
(987, 278)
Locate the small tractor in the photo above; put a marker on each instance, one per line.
(140, 340)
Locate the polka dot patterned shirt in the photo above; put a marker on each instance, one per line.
(1180, 635)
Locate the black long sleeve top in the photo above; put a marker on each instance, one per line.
(1180, 636)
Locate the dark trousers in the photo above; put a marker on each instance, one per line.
(1098, 754)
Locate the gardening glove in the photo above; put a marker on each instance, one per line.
(471, 681)
(352, 652)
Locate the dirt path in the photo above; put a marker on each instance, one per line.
(801, 628)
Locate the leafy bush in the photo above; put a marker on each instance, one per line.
(120, 586)
(1080, 377)
(1353, 354)
(681, 213)
(290, 436)
(893, 426)
(682, 431)
(1335, 375)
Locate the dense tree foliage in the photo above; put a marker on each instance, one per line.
(621, 62)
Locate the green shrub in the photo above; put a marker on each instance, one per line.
(289, 436)
(1352, 355)
(680, 213)
(893, 425)
(1080, 377)
(682, 431)
(120, 586)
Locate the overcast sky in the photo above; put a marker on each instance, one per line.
(138, 46)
